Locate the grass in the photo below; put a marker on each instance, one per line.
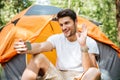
(2, 75)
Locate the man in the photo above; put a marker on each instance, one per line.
(75, 53)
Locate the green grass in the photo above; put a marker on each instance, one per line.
(2, 75)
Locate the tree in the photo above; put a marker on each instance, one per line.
(118, 16)
(9, 8)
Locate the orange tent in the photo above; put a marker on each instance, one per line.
(36, 24)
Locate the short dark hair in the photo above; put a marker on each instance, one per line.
(67, 12)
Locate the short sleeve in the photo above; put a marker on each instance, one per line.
(92, 45)
(52, 39)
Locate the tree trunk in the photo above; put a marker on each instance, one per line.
(118, 16)
(69, 3)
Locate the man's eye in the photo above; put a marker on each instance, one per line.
(61, 25)
(66, 22)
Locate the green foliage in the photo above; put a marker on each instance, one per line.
(9, 8)
(102, 11)
(2, 74)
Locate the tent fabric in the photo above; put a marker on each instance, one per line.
(31, 27)
(38, 27)
(27, 32)
(95, 32)
(108, 64)
(42, 10)
(14, 68)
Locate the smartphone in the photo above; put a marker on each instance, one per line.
(28, 45)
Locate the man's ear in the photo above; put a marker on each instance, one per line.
(76, 21)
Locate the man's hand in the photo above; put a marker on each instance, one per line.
(81, 37)
(20, 47)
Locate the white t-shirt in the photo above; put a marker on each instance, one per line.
(69, 53)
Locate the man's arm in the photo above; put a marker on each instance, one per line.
(88, 60)
(35, 47)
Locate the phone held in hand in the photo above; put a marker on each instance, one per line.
(28, 45)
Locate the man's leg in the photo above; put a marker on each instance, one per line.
(37, 63)
(92, 74)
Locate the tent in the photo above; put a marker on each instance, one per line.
(36, 24)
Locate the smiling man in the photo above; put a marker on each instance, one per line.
(75, 53)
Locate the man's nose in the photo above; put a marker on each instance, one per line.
(64, 27)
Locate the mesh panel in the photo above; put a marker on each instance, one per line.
(42, 10)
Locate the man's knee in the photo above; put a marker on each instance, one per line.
(39, 57)
(94, 70)
(92, 74)
(40, 60)
(38, 64)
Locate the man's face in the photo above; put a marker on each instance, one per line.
(68, 26)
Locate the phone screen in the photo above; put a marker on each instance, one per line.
(28, 45)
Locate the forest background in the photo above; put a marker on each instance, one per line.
(101, 11)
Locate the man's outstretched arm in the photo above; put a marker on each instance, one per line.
(22, 48)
